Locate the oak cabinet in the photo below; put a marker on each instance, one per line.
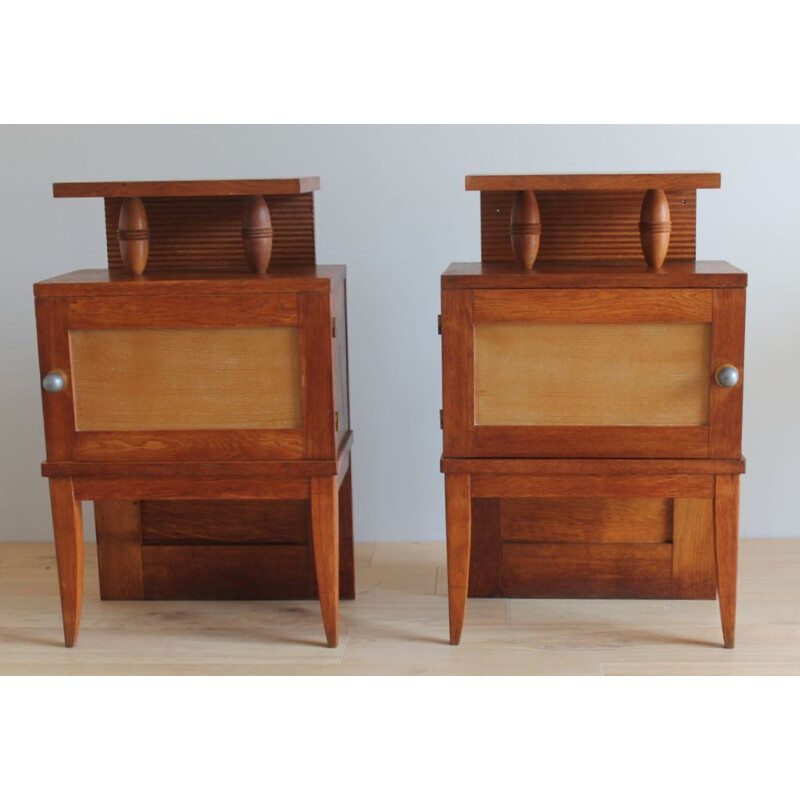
(592, 401)
(197, 392)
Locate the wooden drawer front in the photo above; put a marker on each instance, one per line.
(591, 373)
(186, 379)
(594, 374)
(595, 546)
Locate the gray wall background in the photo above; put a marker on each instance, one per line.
(393, 208)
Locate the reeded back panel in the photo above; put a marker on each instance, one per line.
(196, 233)
(587, 226)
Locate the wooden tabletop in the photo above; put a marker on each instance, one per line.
(596, 275)
(101, 282)
(270, 186)
(594, 181)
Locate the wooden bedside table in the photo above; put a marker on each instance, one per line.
(592, 404)
(201, 404)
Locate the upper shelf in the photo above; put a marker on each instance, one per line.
(272, 186)
(594, 182)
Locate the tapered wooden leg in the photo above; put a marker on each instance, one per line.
(726, 545)
(68, 532)
(347, 575)
(459, 528)
(325, 534)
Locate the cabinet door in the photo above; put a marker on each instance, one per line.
(162, 378)
(592, 372)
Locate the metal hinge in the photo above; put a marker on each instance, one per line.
(441, 418)
(333, 328)
(336, 421)
(440, 324)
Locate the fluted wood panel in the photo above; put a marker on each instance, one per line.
(587, 226)
(206, 232)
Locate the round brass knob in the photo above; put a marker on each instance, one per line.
(727, 376)
(54, 382)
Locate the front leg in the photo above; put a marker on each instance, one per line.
(459, 532)
(68, 532)
(325, 535)
(726, 544)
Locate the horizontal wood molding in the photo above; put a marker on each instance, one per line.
(593, 305)
(217, 188)
(594, 181)
(191, 283)
(587, 225)
(588, 442)
(229, 311)
(190, 489)
(484, 485)
(188, 445)
(593, 466)
(607, 274)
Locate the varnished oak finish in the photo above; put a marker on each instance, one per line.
(133, 235)
(68, 533)
(399, 625)
(525, 228)
(655, 227)
(579, 402)
(257, 233)
(186, 188)
(206, 408)
(457, 505)
(325, 537)
(593, 181)
(210, 378)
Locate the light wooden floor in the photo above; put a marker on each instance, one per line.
(398, 625)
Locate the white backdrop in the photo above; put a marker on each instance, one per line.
(392, 206)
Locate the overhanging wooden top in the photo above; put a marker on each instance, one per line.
(102, 283)
(593, 275)
(594, 181)
(268, 186)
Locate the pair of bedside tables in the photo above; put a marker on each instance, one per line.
(197, 392)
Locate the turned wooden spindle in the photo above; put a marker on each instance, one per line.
(655, 227)
(525, 228)
(257, 233)
(133, 235)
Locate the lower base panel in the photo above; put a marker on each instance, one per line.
(215, 549)
(593, 547)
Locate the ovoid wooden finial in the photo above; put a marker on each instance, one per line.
(133, 235)
(655, 227)
(257, 233)
(525, 228)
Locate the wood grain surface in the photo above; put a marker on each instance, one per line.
(186, 379)
(595, 181)
(205, 233)
(217, 188)
(587, 225)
